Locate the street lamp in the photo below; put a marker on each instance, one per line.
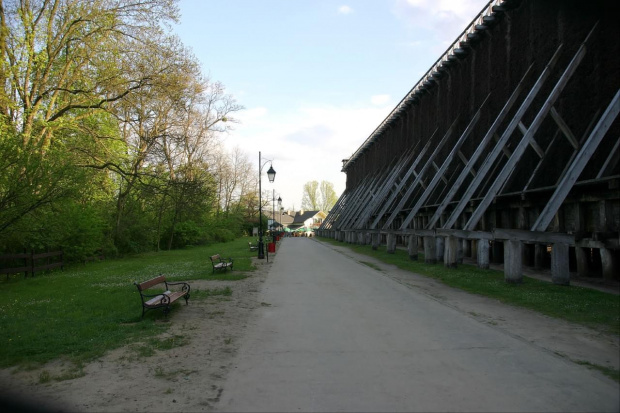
(280, 208)
(273, 215)
(271, 174)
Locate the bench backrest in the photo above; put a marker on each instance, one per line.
(150, 283)
(216, 257)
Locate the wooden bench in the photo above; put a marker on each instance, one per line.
(220, 263)
(163, 299)
(252, 247)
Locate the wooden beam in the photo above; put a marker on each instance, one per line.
(490, 159)
(422, 172)
(564, 128)
(525, 141)
(410, 171)
(444, 167)
(469, 167)
(577, 166)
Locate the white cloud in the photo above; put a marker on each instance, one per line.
(345, 9)
(380, 99)
(445, 19)
(307, 143)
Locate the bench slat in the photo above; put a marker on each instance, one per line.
(150, 283)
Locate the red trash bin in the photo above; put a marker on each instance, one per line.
(271, 247)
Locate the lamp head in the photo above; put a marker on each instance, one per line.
(271, 173)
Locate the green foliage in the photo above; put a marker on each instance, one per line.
(107, 145)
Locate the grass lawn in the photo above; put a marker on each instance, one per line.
(585, 306)
(86, 310)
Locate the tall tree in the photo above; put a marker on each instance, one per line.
(63, 59)
(311, 197)
(328, 196)
(318, 197)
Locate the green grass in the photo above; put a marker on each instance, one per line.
(580, 305)
(86, 310)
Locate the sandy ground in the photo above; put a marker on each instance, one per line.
(191, 377)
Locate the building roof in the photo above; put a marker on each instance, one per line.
(302, 216)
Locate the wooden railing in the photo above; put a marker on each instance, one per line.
(30, 263)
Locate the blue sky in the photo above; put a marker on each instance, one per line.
(316, 77)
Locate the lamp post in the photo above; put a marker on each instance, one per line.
(271, 174)
(273, 215)
(280, 208)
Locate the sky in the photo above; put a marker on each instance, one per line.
(316, 77)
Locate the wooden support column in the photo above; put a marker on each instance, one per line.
(583, 266)
(430, 247)
(375, 240)
(560, 274)
(439, 248)
(391, 243)
(459, 250)
(361, 237)
(513, 268)
(610, 264)
(482, 247)
(451, 252)
(412, 247)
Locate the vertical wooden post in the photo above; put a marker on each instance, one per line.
(375, 240)
(583, 266)
(391, 243)
(412, 247)
(482, 246)
(451, 252)
(610, 264)
(439, 248)
(513, 267)
(560, 273)
(430, 246)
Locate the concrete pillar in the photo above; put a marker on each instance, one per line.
(560, 274)
(450, 255)
(610, 264)
(482, 247)
(583, 266)
(430, 247)
(412, 247)
(439, 248)
(375, 240)
(539, 256)
(391, 243)
(513, 267)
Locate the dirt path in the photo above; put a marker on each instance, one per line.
(191, 377)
